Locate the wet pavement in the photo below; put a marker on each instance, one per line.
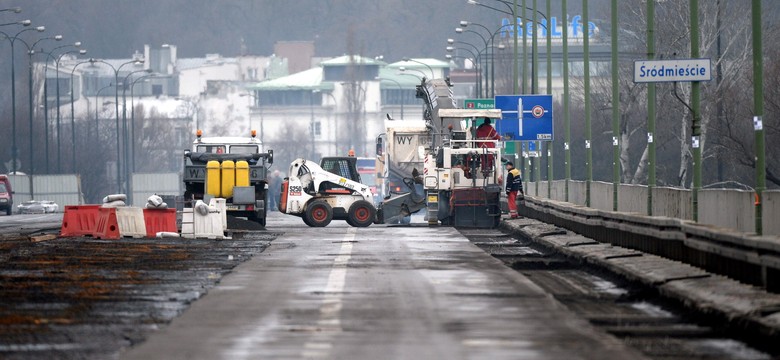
(76, 298)
(381, 292)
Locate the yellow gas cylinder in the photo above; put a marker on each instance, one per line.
(228, 178)
(242, 173)
(212, 178)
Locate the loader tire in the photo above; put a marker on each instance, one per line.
(306, 221)
(318, 213)
(361, 214)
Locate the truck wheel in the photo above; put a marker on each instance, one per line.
(8, 211)
(306, 221)
(319, 213)
(253, 217)
(361, 214)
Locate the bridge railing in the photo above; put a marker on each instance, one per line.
(740, 255)
(726, 208)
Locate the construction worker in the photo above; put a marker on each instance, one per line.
(487, 132)
(514, 184)
(351, 153)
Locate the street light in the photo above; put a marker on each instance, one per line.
(13, 9)
(512, 11)
(433, 75)
(46, 97)
(23, 23)
(475, 59)
(116, 109)
(12, 40)
(96, 141)
(492, 46)
(400, 89)
(125, 132)
(31, 52)
(460, 30)
(73, 117)
(404, 69)
(132, 119)
(477, 54)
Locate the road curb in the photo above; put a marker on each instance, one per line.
(744, 306)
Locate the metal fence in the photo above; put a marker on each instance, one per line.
(66, 189)
(145, 185)
(62, 189)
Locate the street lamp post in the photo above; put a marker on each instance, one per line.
(13, 9)
(96, 141)
(30, 53)
(512, 11)
(451, 58)
(477, 62)
(758, 106)
(132, 120)
(404, 69)
(401, 92)
(489, 90)
(73, 116)
(125, 132)
(116, 109)
(433, 75)
(12, 40)
(57, 71)
(488, 66)
(46, 97)
(478, 57)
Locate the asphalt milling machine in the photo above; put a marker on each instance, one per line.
(459, 180)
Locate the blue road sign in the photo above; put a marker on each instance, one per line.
(525, 117)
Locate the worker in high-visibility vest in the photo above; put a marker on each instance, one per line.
(514, 184)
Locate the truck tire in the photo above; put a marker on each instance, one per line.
(318, 213)
(361, 214)
(8, 211)
(260, 220)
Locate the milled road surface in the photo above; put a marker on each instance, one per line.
(376, 293)
(81, 298)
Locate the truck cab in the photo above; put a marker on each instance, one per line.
(233, 168)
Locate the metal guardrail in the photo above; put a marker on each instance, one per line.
(744, 257)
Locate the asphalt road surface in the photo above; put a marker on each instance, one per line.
(380, 292)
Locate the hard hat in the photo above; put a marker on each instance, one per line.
(351, 152)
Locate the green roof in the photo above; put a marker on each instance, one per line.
(305, 80)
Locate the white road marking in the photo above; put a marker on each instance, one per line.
(330, 310)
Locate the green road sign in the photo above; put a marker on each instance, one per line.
(478, 104)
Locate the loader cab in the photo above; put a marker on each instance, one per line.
(345, 167)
